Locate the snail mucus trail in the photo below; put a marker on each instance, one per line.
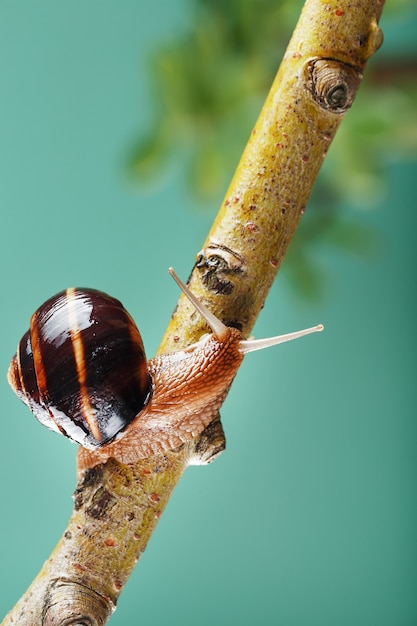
(81, 369)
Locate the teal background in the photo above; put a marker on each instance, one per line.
(310, 516)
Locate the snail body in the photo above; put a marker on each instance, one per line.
(81, 369)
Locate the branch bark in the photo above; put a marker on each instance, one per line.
(116, 507)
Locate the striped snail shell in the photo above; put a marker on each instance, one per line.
(81, 367)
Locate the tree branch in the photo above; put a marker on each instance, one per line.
(116, 507)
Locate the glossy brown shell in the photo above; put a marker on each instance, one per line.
(81, 368)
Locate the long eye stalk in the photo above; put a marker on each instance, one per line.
(248, 345)
(215, 324)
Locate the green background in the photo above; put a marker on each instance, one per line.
(309, 518)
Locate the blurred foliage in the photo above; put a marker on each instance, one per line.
(209, 84)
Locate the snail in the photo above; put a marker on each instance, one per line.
(81, 369)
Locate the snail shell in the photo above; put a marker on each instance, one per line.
(81, 367)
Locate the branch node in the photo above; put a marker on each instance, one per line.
(209, 444)
(68, 603)
(333, 84)
(217, 265)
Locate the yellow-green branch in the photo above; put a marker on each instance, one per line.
(117, 507)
